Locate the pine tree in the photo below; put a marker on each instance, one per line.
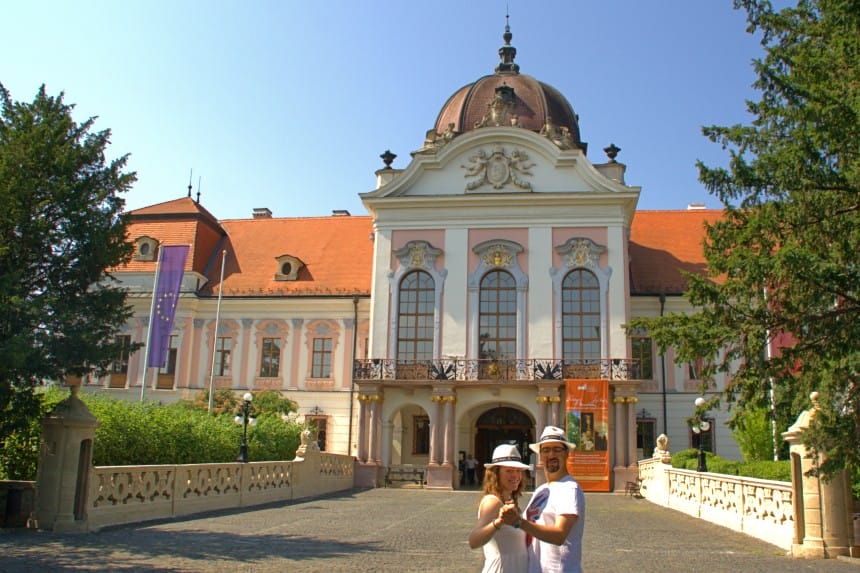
(784, 260)
(61, 230)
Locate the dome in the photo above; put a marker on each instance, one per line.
(507, 98)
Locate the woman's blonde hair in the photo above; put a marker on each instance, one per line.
(492, 487)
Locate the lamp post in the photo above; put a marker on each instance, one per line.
(699, 427)
(243, 418)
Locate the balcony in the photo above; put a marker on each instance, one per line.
(491, 371)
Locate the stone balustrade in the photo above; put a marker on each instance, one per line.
(759, 508)
(128, 494)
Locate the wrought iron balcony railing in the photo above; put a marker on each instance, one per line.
(484, 370)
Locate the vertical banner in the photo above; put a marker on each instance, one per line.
(587, 417)
(166, 295)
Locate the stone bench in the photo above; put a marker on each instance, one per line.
(405, 473)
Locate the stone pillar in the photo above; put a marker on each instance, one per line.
(449, 431)
(65, 459)
(632, 458)
(435, 423)
(362, 428)
(823, 510)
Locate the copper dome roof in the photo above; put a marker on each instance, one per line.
(508, 98)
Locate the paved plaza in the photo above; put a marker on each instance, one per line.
(392, 530)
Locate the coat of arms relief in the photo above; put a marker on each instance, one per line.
(498, 169)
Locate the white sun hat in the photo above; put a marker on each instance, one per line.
(509, 456)
(552, 434)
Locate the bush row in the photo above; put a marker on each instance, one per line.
(147, 433)
(777, 471)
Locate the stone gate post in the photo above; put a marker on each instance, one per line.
(65, 459)
(822, 512)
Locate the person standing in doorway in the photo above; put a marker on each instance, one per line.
(471, 467)
(503, 542)
(554, 520)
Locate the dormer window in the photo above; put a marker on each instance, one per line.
(145, 249)
(288, 268)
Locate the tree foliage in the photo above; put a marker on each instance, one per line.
(783, 259)
(61, 228)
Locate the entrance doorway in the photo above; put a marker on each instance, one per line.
(499, 426)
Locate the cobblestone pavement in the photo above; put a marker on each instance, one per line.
(392, 530)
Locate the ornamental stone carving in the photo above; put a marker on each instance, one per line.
(417, 255)
(498, 169)
(580, 252)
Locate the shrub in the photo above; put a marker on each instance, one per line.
(148, 433)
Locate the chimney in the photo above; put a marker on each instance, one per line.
(695, 207)
(262, 213)
(339, 213)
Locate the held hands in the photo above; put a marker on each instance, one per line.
(510, 513)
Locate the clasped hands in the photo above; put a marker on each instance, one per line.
(510, 513)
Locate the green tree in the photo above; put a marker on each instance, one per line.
(783, 258)
(61, 230)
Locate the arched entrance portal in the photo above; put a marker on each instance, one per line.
(502, 425)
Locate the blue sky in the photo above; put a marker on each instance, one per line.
(288, 105)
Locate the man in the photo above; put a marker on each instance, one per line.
(471, 467)
(555, 517)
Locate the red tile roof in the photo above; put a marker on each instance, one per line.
(337, 251)
(664, 242)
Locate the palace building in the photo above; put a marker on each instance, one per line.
(491, 279)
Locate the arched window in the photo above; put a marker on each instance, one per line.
(497, 338)
(415, 316)
(580, 316)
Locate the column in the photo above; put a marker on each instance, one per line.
(376, 434)
(632, 458)
(435, 423)
(449, 430)
(362, 428)
(619, 437)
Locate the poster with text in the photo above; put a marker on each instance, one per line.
(587, 409)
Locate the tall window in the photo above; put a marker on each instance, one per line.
(270, 358)
(580, 316)
(646, 436)
(170, 363)
(223, 347)
(415, 317)
(498, 316)
(120, 365)
(695, 369)
(320, 426)
(643, 354)
(321, 358)
(420, 434)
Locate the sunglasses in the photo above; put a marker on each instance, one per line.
(554, 450)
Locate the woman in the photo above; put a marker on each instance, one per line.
(503, 541)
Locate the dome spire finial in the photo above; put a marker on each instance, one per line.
(507, 53)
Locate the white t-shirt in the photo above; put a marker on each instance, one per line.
(562, 497)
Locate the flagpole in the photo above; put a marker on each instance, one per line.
(151, 320)
(215, 336)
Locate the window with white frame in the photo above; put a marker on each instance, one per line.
(415, 316)
(580, 315)
(270, 357)
(321, 359)
(223, 355)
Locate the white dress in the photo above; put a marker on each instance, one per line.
(506, 552)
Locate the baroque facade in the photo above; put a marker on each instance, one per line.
(499, 263)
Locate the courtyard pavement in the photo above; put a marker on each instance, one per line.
(392, 530)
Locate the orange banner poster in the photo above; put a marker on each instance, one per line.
(587, 408)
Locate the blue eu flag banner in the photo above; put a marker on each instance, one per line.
(166, 298)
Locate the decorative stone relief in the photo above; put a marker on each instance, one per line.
(417, 255)
(498, 169)
(580, 252)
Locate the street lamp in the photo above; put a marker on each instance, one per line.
(244, 417)
(699, 427)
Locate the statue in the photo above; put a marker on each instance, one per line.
(661, 451)
(308, 443)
